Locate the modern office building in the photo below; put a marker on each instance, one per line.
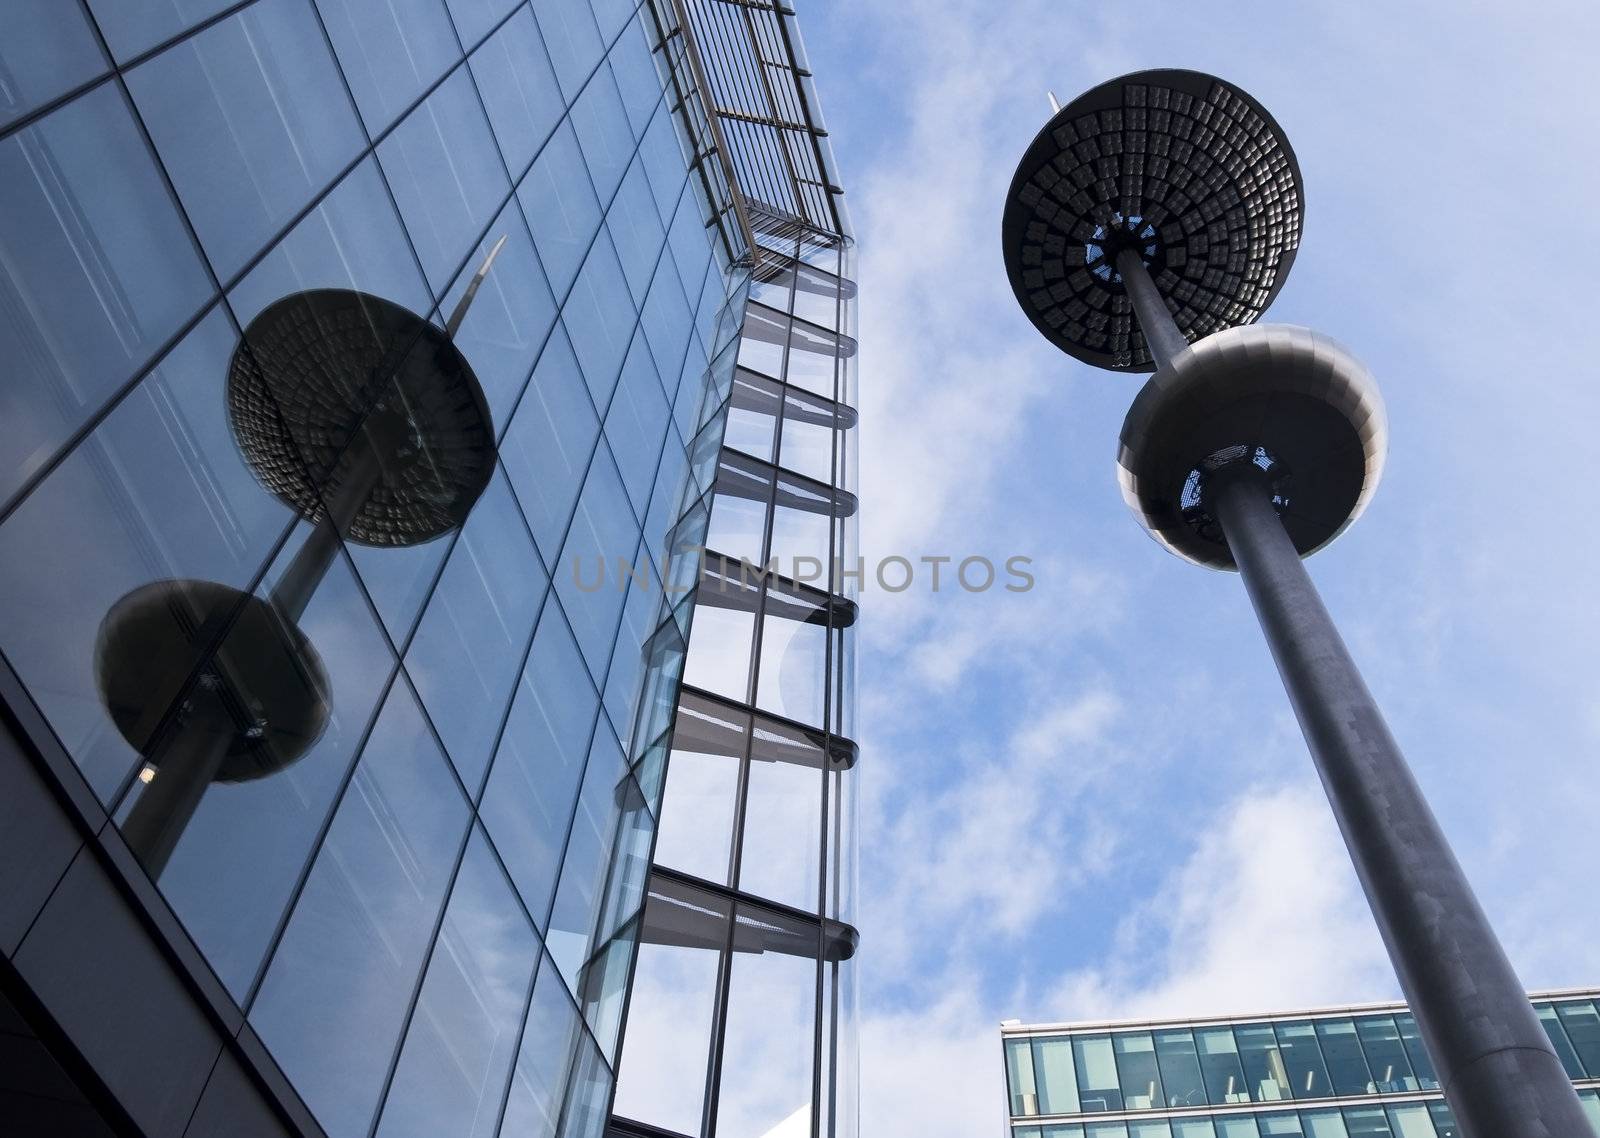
(376, 375)
(1350, 1072)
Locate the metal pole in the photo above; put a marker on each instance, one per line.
(1160, 329)
(189, 763)
(1500, 1074)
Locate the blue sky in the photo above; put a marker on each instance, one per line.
(1091, 799)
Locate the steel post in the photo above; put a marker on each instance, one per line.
(1499, 1072)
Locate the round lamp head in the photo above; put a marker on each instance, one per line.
(1291, 400)
(1187, 171)
(264, 681)
(316, 367)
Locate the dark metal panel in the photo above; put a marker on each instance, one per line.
(232, 1107)
(37, 841)
(97, 973)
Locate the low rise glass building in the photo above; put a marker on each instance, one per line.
(1351, 1072)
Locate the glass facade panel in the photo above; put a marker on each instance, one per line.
(378, 849)
(1180, 1068)
(390, 53)
(335, 996)
(1412, 1121)
(527, 804)
(49, 49)
(1582, 1025)
(1386, 1055)
(446, 174)
(1219, 1062)
(451, 1077)
(1303, 1061)
(476, 628)
(1264, 1071)
(236, 863)
(1139, 1076)
(1420, 1063)
(1099, 1087)
(1058, 1087)
(1347, 1064)
(96, 272)
(251, 120)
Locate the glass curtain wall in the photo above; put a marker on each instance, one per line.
(1174, 1072)
(741, 1023)
(361, 359)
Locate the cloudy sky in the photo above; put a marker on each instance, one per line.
(1090, 799)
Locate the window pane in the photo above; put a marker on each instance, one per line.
(545, 1063)
(573, 40)
(510, 315)
(1323, 1124)
(1386, 1055)
(1444, 1123)
(1367, 1123)
(636, 424)
(1241, 1127)
(1058, 1086)
(1591, 1107)
(1180, 1068)
(1192, 1128)
(352, 240)
(133, 26)
(1136, 1066)
(1583, 1029)
(159, 491)
(1274, 1125)
(602, 544)
(519, 89)
(1420, 1063)
(782, 833)
(239, 856)
(96, 272)
(1411, 1121)
(767, 1050)
(576, 926)
(477, 626)
(1302, 1061)
(1263, 1064)
(335, 997)
(1551, 1022)
(666, 1049)
(548, 445)
(1347, 1066)
(1098, 1087)
(49, 49)
(463, 1035)
(474, 18)
(251, 120)
(1020, 1077)
(559, 203)
(446, 174)
(390, 52)
(532, 789)
(636, 230)
(1154, 1128)
(599, 316)
(1219, 1062)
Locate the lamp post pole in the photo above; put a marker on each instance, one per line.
(1500, 1074)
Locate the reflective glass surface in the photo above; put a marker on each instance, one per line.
(49, 49)
(97, 272)
(251, 120)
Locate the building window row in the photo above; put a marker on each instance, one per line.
(1260, 1062)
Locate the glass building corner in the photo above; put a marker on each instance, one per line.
(392, 390)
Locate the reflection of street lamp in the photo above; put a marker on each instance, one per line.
(362, 417)
(1148, 225)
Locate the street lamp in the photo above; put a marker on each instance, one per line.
(1148, 226)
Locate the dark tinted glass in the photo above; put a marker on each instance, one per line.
(1347, 1066)
(1386, 1055)
(1180, 1068)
